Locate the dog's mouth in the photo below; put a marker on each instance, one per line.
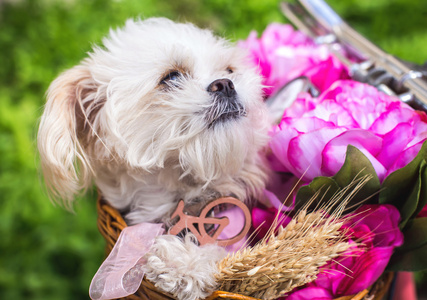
(224, 109)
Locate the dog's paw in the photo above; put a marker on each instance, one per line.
(182, 268)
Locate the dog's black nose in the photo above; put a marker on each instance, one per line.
(223, 87)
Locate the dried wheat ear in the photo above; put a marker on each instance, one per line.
(294, 255)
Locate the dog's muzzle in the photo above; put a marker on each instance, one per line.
(226, 104)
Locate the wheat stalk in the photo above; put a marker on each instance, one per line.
(293, 256)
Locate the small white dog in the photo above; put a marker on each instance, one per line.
(162, 112)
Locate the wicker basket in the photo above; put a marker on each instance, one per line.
(111, 223)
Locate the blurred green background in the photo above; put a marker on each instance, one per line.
(45, 251)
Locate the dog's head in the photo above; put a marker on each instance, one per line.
(158, 95)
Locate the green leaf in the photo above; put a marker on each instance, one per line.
(355, 167)
(326, 186)
(411, 255)
(406, 188)
(413, 261)
(422, 199)
(415, 235)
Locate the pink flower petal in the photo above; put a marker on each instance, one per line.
(334, 152)
(261, 221)
(303, 104)
(331, 111)
(274, 200)
(419, 126)
(363, 101)
(324, 74)
(282, 54)
(305, 151)
(306, 124)
(279, 145)
(386, 231)
(405, 157)
(377, 226)
(275, 164)
(362, 266)
(389, 119)
(310, 293)
(394, 142)
(331, 279)
(366, 270)
(281, 191)
(264, 219)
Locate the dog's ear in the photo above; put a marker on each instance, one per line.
(64, 163)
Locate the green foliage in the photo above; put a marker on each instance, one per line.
(356, 168)
(46, 252)
(406, 188)
(412, 255)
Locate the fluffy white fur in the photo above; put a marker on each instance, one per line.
(145, 140)
(188, 276)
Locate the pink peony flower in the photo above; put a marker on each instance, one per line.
(361, 267)
(264, 218)
(282, 54)
(314, 133)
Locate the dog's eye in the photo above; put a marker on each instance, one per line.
(172, 76)
(230, 70)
